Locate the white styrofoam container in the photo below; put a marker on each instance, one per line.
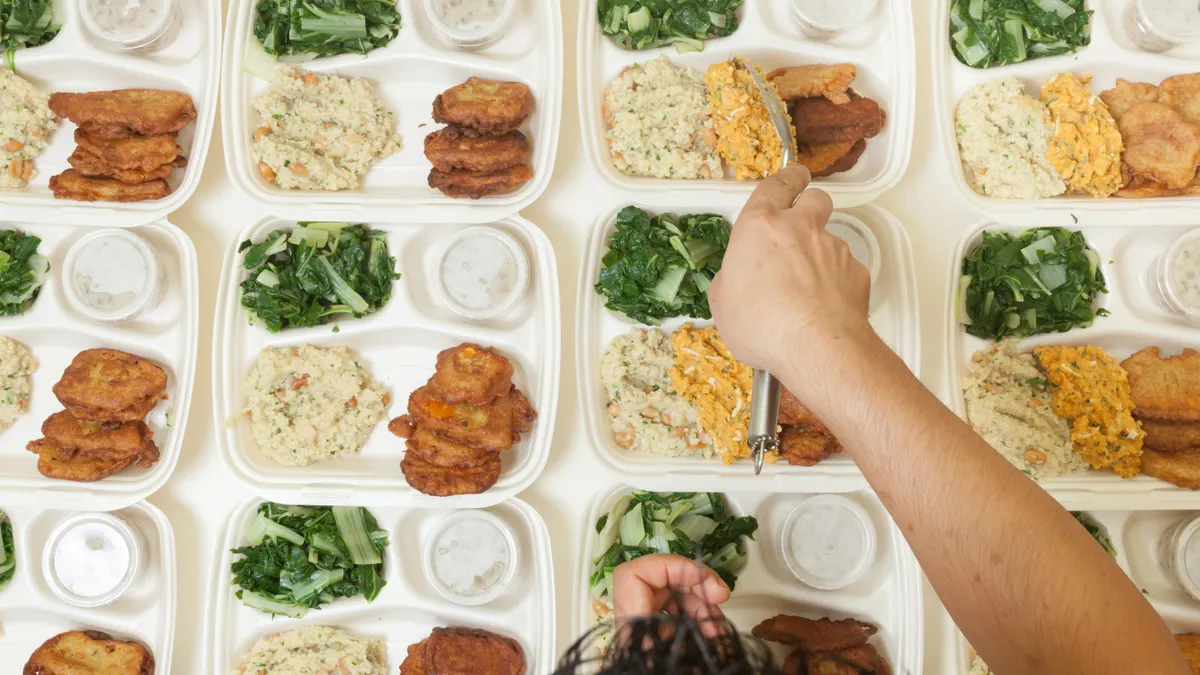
(74, 61)
(889, 594)
(406, 76)
(55, 333)
(1128, 256)
(407, 608)
(882, 50)
(400, 345)
(1110, 55)
(30, 613)
(893, 315)
(1136, 536)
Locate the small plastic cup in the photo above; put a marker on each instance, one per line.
(826, 19)
(1179, 550)
(863, 244)
(828, 542)
(1162, 25)
(105, 246)
(94, 527)
(151, 33)
(1178, 286)
(462, 535)
(469, 297)
(468, 34)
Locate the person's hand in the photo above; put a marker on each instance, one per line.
(786, 284)
(657, 583)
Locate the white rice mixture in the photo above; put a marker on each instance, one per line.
(26, 123)
(315, 650)
(646, 414)
(1003, 136)
(310, 404)
(16, 365)
(659, 122)
(1009, 406)
(320, 132)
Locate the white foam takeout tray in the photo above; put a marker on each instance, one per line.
(406, 76)
(76, 61)
(30, 613)
(55, 333)
(407, 608)
(399, 345)
(893, 315)
(1128, 258)
(1110, 55)
(887, 595)
(882, 50)
(1136, 536)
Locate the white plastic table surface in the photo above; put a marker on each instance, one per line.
(202, 494)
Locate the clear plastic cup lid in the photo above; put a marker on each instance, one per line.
(470, 23)
(1180, 274)
(83, 561)
(127, 22)
(1173, 20)
(828, 542)
(481, 272)
(112, 275)
(862, 242)
(834, 15)
(471, 558)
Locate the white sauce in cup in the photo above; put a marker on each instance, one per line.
(482, 272)
(113, 276)
(92, 559)
(1178, 276)
(828, 542)
(471, 557)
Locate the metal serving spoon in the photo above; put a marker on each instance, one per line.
(764, 398)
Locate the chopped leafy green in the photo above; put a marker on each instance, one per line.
(695, 525)
(8, 554)
(1093, 529)
(987, 33)
(1045, 280)
(325, 27)
(25, 23)
(22, 271)
(647, 24)
(300, 557)
(306, 276)
(661, 267)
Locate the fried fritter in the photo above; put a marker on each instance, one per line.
(826, 159)
(487, 427)
(1126, 94)
(73, 185)
(140, 153)
(107, 385)
(413, 663)
(1182, 92)
(60, 464)
(142, 111)
(1189, 643)
(857, 660)
(815, 635)
(1177, 468)
(458, 148)
(402, 426)
(1171, 436)
(472, 651)
(433, 449)
(807, 445)
(89, 652)
(814, 80)
(1165, 389)
(792, 411)
(446, 481)
(470, 373)
(1160, 144)
(90, 165)
(487, 106)
(460, 183)
(523, 414)
(819, 120)
(102, 440)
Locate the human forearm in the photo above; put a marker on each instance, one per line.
(1028, 586)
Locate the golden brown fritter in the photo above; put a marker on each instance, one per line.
(1182, 92)
(814, 635)
(444, 481)
(857, 660)
(107, 385)
(90, 165)
(472, 651)
(807, 444)
(830, 82)
(487, 427)
(1165, 389)
(487, 106)
(1171, 436)
(413, 663)
(819, 120)
(429, 447)
(523, 414)
(792, 411)
(1126, 94)
(104, 440)
(89, 652)
(826, 159)
(141, 111)
(1160, 144)
(60, 464)
(1189, 643)
(462, 184)
(470, 373)
(459, 148)
(1177, 468)
(139, 153)
(75, 186)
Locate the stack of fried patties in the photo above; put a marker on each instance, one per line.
(126, 143)
(1166, 399)
(825, 646)
(804, 440)
(107, 395)
(460, 421)
(464, 651)
(481, 153)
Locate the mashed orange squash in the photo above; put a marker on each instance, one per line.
(1091, 390)
(708, 376)
(746, 138)
(1086, 148)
